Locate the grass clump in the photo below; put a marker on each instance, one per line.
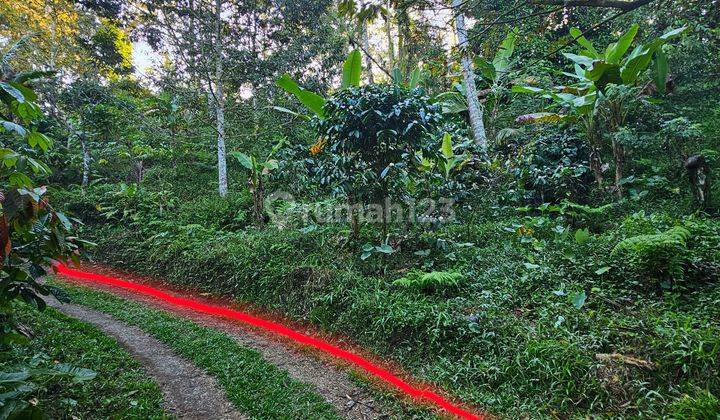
(660, 256)
(119, 388)
(429, 282)
(256, 387)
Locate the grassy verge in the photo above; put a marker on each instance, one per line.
(121, 388)
(257, 388)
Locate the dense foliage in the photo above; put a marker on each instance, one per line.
(508, 271)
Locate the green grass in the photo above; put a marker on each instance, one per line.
(257, 388)
(510, 339)
(121, 388)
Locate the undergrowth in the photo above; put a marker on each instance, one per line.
(119, 388)
(256, 387)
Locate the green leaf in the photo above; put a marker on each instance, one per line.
(14, 377)
(602, 270)
(531, 266)
(312, 101)
(32, 75)
(64, 220)
(636, 63)
(352, 69)
(579, 59)
(673, 33)
(77, 374)
(415, 78)
(526, 89)
(579, 299)
(12, 91)
(446, 148)
(291, 112)
(661, 70)
(39, 139)
(385, 249)
(27, 93)
(19, 179)
(244, 159)
(582, 236)
(617, 50)
(486, 68)
(541, 118)
(15, 128)
(9, 157)
(502, 58)
(452, 102)
(603, 73)
(271, 164)
(640, 58)
(577, 36)
(397, 76)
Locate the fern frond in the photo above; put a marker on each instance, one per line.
(434, 280)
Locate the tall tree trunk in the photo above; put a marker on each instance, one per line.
(594, 139)
(258, 193)
(220, 104)
(388, 34)
(403, 59)
(86, 161)
(474, 109)
(366, 45)
(619, 156)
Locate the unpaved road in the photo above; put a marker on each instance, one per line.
(327, 379)
(188, 392)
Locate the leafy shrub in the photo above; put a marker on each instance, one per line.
(660, 256)
(433, 281)
(131, 203)
(677, 134)
(369, 137)
(702, 405)
(552, 167)
(216, 212)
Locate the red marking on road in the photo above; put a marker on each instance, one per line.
(278, 329)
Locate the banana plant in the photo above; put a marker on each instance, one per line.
(352, 70)
(449, 162)
(594, 71)
(494, 73)
(351, 75)
(259, 170)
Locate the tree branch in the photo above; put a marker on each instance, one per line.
(614, 4)
(367, 53)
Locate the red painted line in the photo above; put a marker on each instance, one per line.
(275, 328)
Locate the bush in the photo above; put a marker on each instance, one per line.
(215, 212)
(702, 405)
(429, 282)
(660, 256)
(552, 167)
(369, 138)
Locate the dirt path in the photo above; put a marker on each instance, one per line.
(329, 380)
(188, 392)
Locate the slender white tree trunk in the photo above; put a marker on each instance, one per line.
(220, 104)
(366, 46)
(86, 161)
(388, 34)
(474, 108)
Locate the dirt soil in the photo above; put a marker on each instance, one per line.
(188, 392)
(328, 378)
